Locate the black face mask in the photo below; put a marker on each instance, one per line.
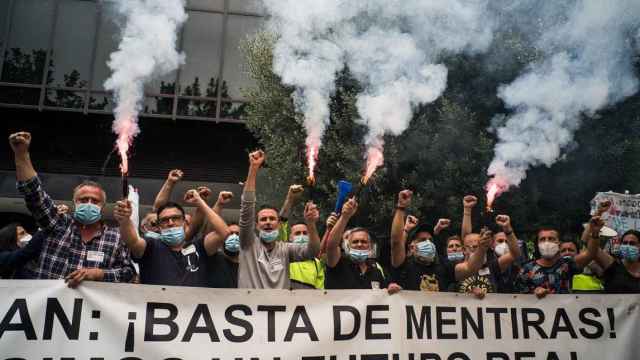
(229, 253)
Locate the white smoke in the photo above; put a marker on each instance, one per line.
(588, 65)
(146, 50)
(391, 46)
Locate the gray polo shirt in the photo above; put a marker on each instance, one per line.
(260, 268)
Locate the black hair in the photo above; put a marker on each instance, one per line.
(170, 205)
(298, 223)
(547, 228)
(418, 229)
(635, 233)
(9, 237)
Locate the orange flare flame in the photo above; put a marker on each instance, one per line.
(312, 159)
(375, 159)
(495, 187)
(126, 129)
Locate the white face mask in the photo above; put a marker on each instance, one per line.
(548, 249)
(24, 240)
(501, 249)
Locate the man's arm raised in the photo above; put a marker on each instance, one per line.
(333, 246)
(468, 203)
(164, 194)
(221, 231)
(248, 200)
(398, 227)
(128, 234)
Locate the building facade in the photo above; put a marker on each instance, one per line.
(51, 83)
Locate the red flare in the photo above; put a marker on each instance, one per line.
(126, 129)
(312, 159)
(495, 187)
(375, 159)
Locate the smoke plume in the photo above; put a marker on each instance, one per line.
(587, 65)
(391, 46)
(146, 50)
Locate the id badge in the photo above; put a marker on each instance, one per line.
(95, 256)
(188, 250)
(276, 265)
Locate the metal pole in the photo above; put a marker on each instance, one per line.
(45, 72)
(92, 65)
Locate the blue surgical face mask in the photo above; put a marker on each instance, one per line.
(426, 250)
(301, 239)
(359, 255)
(151, 235)
(232, 243)
(269, 236)
(87, 213)
(629, 252)
(172, 236)
(456, 257)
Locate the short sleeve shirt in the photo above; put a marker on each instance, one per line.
(415, 275)
(347, 275)
(617, 280)
(487, 278)
(159, 265)
(555, 278)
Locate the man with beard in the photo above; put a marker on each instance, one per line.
(264, 262)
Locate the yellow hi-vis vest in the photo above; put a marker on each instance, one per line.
(583, 282)
(309, 272)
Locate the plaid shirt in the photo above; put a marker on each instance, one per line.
(63, 250)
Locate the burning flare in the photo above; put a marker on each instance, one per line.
(495, 186)
(126, 128)
(375, 159)
(312, 159)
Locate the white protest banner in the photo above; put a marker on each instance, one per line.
(46, 320)
(624, 213)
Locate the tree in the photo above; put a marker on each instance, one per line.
(445, 152)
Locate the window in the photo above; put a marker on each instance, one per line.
(28, 42)
(199, 76)
(235, 72)
(86, 30)
(75, 30)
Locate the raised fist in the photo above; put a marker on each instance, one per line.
(256, 158)
(469, 201)
(175, 175)
(404, 198)
(20, 142)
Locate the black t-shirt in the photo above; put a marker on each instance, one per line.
(346, 275)
(223, 273)
(159, 265)
(415, 275)
(617, 280)
(488, 277)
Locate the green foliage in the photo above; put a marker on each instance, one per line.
(445, 152)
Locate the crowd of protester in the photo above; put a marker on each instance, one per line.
(262, 250)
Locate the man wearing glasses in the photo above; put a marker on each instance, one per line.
(168, 260)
